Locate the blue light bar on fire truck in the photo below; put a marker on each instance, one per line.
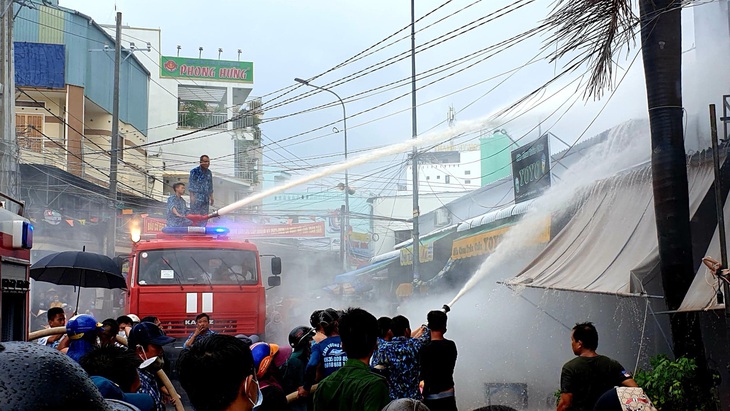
(196, 230)
(18, 232)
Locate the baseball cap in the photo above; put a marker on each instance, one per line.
(82, 324)
(133, 317)
(109, 390)
(147, 333)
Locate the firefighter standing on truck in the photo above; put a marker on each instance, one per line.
(200, 186)
(176, 208)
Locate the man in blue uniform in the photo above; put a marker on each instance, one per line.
(176, 208)
(200, 187)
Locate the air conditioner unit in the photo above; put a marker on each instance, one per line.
(443, 217)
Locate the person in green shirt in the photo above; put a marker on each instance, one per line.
(354, 387)
(585, 378)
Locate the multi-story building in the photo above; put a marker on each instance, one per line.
(200, 106)
(463, 167)
(64, 70)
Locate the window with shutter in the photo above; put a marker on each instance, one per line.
(29, 129)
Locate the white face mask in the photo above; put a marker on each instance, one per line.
(259, 396)
(146, 363)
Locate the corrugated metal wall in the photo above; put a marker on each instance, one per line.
(87, 65)
(52, 25)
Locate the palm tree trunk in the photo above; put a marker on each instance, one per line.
(661, 38)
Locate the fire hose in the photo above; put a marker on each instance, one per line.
(62, 330)
(160, 373)
(290, 398)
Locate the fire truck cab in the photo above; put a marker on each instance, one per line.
(16, 240)
(186, 271)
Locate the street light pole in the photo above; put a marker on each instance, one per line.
(344, 220)
(414, 156)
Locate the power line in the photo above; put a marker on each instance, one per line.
(423, 75)
(186, 134)
(403, 55)
(357, 56)
(84, 162)
(65, 123)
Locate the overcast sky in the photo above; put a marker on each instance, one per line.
(287, 39)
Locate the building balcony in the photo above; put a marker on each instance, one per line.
(190, 119)
(244, 122)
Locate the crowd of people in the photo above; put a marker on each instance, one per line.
(343, 360)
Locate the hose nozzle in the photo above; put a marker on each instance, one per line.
(446, 309)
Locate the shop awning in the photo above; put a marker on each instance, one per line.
(486, 241)
(610, 244)
(425, 247)
(504, 213)
(351, 276)
(390, 255)
(481, 235)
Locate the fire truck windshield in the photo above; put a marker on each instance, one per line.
(191, 266)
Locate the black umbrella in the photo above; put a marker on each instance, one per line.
(78, 268)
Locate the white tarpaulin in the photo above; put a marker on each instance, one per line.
(702, 294)
(610, 243)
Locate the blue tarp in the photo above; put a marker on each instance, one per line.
(39, 65)
(351, 276)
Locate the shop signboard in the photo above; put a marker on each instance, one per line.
(206, 69)
(531, 169)
(425, 252)
(486, 242)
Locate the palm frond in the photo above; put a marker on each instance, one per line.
(591, 32)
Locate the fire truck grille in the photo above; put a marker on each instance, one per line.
(180, 327)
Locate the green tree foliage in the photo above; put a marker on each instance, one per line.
(195, 114)
(673, 385)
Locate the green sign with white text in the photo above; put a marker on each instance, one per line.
(205, 69)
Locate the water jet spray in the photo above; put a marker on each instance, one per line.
(426, 139)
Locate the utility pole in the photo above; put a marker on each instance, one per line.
(414, 155)
(343, 237)
(112, 234)
(9, 174)
(719, 207)
(345, 212)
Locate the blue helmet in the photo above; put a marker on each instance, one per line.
(263, 355)
(80, 325)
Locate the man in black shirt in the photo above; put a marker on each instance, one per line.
(438, 359)
(585, 378)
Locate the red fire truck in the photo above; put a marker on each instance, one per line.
(16, 235)
(190, 270)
